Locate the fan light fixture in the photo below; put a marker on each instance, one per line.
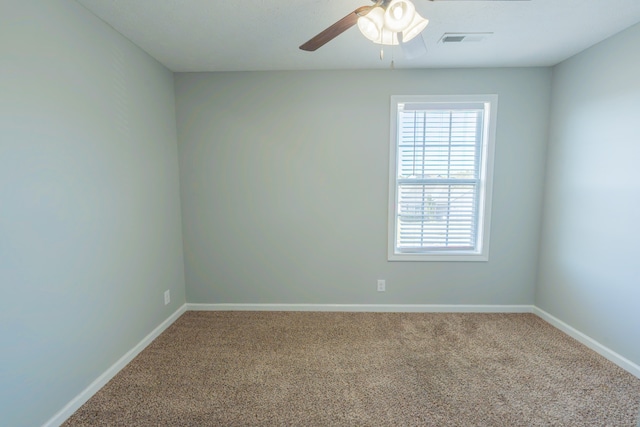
(399, 21)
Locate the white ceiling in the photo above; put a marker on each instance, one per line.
(216, 35)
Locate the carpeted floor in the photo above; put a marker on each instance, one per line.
(364, 369)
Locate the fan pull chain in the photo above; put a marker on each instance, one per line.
(392, 65)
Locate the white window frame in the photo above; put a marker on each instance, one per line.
(481, 251)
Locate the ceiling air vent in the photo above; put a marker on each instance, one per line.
(463, 37)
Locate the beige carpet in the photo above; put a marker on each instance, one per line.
(364, 369)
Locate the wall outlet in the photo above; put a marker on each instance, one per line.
(381, 285)
(167, 297)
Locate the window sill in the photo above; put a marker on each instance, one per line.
(439, 257)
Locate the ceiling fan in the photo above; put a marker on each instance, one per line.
(387, 22)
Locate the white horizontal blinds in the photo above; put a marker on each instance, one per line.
(438, 178)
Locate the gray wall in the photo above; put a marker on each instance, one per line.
(89, 203)
(284, 185)
(589, 270)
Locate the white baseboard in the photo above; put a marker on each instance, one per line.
(594, 345)
(103, 379)
(381, 308)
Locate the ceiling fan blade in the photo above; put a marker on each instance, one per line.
(335, 30)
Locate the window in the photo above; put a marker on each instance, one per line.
(440, 177)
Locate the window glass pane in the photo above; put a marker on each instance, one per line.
(436, 216)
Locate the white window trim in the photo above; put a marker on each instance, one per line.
(486, 178)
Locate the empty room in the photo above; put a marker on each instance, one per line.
(340, 212)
